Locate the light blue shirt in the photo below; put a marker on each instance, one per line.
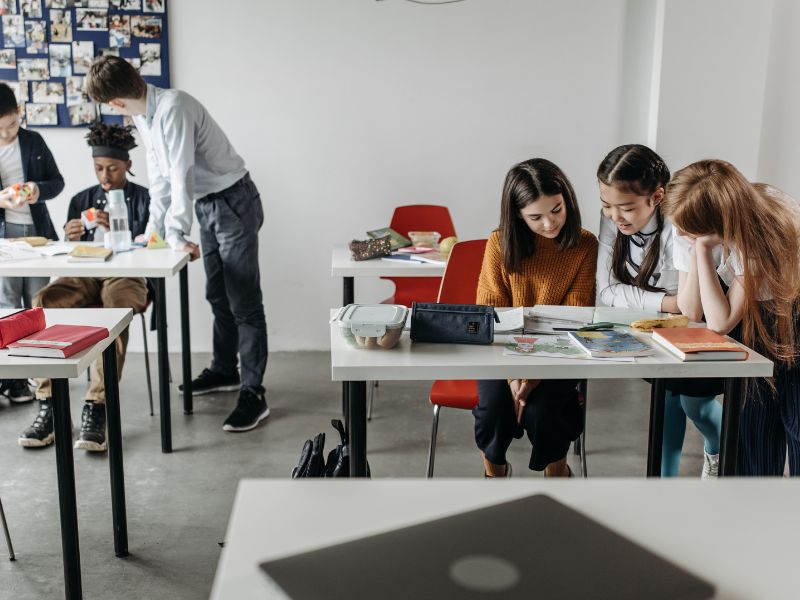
(188, 158)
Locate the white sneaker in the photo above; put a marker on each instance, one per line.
(710, 466)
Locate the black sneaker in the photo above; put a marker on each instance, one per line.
(210, 381)
(17, 390)
(40, 433)
(250, 410)
(93, 428)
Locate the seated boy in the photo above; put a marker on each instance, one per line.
(110, 145)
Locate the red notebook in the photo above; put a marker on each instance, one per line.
(58, 341)
(698, 343)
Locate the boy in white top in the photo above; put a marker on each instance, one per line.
(191, 164)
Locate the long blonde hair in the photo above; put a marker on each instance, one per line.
(762, 224)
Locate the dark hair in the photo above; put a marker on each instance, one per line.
(8, 101)
(114, 77)
(111, 135)
(635, 169)
(525, 183)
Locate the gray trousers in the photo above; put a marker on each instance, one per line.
(18, 292)
(229, 223)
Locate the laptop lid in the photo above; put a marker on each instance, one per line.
(531, 548)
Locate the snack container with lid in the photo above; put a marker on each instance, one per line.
(372, 325)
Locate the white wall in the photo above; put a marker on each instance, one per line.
(344, 109)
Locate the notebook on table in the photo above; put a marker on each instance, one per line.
(534, 547)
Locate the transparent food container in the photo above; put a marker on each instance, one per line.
(425, 239)
(372, 325)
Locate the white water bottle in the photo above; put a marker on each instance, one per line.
(119, 234)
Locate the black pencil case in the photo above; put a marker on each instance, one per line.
(452, 323)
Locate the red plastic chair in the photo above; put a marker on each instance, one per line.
(459, 286)
(419, 217)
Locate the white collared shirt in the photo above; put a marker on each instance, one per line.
(610, 292)
(188, 158)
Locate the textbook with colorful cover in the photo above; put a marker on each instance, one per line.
(698, 343)
(608, 344)
(58, 341)
(85, 253)
(397, 240)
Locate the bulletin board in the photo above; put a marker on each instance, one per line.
(48, 46)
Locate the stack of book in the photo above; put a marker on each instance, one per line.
(698, 343)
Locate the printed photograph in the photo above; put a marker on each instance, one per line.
(35, 37)
(119, 31)
(136, 62)
(60, 60)
(8, 7)
(33, 69)
(108, 52)
(8, 59)
(76, 91)
(107, 110)
(98, 4)
(151, 59)
(48, 92)
(91, 19)
(127, 4)
(31, 8)
(82, 114)
(13, 31)
(60, 26)
(146, 26)
(82, 57)
(41, 114)
(59, 4)
(20, 89)
(154, 6)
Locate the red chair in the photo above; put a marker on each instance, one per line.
(419, 217)
(459, 286)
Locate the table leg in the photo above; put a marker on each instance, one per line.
(656, 436)
(118, 510)
(186, 347)
(163, 366)
(731, 413)
(348, 297)
(357, 419)
(62, 425)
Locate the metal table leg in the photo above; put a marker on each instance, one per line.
(357, 420)
(62, 425)
(731, 416)
(163, 366)
(118, 510)
(656, 435)
(186, 347)
(348, 295)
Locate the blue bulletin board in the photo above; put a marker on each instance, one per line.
(48, 45)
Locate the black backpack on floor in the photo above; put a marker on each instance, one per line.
(312, 463)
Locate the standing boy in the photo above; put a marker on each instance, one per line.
(28, 174)
(110, 146)
(190, 160)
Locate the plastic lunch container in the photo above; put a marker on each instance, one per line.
(372, 325)
(425, 239)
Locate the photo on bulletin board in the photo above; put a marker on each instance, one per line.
(48, 46)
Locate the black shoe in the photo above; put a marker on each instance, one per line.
(210, 381)
(17, 390)
(250, 410)
(93, 428)
(40, 433)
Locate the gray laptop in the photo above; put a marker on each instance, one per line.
(533, 548)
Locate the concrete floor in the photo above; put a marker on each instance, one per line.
(179, 504)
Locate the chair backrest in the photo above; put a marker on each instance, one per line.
(423, 217)
(460, 281)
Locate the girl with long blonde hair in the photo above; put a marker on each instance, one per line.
(738, 252)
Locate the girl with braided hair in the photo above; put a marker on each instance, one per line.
(635, 270)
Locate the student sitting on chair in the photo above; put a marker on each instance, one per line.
(28, 176)
(110, 145)
(539, 255)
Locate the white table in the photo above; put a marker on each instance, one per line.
(59, 370)
(460, 361)
(730, 532)
(154, 264)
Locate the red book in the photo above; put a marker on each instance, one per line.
(58, 341)
(698, 343)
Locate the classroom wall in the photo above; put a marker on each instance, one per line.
(343, 110)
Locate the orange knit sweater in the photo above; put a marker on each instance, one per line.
(550, 276)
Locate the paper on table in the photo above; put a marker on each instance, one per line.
(53, 249)
(511, 321)
(578, 314)
(15, 251)
(622, 316)
(550, 346)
